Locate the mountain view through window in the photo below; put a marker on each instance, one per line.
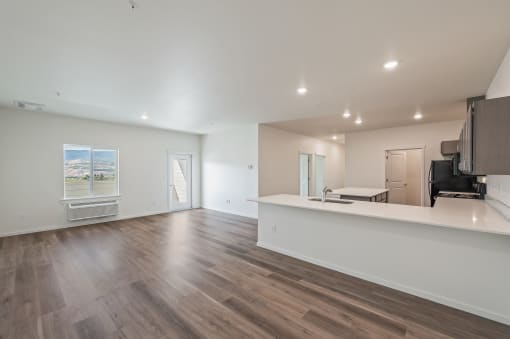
(89, 171)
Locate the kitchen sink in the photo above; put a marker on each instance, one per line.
(336, 201)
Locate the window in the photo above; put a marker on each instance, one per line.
(90, 172)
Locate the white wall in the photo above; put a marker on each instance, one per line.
(230, 170)
(31, 170)
(500, 85)
(498, 186)
(279, 160)
(365, 151)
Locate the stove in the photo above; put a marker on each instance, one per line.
(458, 195)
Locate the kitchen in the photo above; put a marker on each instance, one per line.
(443, 248)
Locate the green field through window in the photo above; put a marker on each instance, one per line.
(80, 162)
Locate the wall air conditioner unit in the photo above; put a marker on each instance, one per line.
(89, 210)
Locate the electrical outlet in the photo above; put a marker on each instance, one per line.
(274, 228)
(228, 202)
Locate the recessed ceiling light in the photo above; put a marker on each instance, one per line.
(346, 114)
(144, 116)
(302, 90)
(358, 121)
(418, 116)
(334, 137)
(390, 65)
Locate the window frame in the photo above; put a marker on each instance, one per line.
(91, 184)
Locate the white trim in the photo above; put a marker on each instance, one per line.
(391, 284)
(82, 223)
(91, 148)
(394, 148)
(170, 154)
(90, 199)
(86, 223)
(315, 155)
(241, 214)
(310, 156)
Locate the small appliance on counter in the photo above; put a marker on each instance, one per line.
(443, 182)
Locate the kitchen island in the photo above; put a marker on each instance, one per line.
(457, 253)
(361, 193)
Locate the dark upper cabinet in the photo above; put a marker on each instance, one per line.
(485, 138)
(491, 136)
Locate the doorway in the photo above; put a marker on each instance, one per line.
(320, 165)
(304, 174)
(179, 181)
(404, 176)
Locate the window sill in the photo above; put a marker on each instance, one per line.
(90, 199)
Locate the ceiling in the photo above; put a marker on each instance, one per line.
(332, 127)
(204, 65)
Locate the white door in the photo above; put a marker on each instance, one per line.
(320, 164)
(396, 176)
(304, 175)
(179, 179)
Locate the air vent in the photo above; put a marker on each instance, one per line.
(31, 106)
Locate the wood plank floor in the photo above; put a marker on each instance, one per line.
(198, 274)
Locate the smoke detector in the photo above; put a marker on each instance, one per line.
(31, 106)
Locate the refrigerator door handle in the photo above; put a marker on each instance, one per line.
(430, 182)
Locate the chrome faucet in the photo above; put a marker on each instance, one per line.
(325, 192)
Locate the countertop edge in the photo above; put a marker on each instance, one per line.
(364, 192)
(387, 217)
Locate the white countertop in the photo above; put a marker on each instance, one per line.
(360, 191)
(465, 214)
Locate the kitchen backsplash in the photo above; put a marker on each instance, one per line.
(498, 188)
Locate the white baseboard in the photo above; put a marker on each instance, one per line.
(404, 288)
(81, 223)
(241, 214)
